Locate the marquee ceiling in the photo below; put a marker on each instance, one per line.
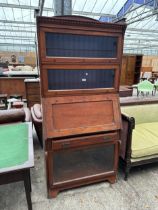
(18, 27)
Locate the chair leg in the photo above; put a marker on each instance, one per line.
(27, 184)
(154, 92)
(30, 182)
(127, 170)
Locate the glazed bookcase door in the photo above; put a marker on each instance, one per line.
(63, 47)
(74, 79)
(73, 165)
(78, 45)
(60, 43)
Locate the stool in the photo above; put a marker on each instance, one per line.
(3, 101)
(16, 96)
(17, 104)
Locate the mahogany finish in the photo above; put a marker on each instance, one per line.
(80, 62)
(74, 115)
(12, 85)
(131, 69)
(32, 87)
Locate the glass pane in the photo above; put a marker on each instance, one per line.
(72, 164)
(80, 79)
(72, 45)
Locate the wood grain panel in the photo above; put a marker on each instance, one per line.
(99, 112)
(123, 71)
(32, 93)
(12, 86)
(34, 97)
(78, 115)
(130, 70)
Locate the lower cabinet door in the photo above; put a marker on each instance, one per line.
(90, 163)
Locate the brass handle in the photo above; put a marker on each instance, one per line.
(66, 145)
(106, 138)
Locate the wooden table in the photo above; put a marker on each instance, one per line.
(21, 172)
(125, 91)
(14, 85)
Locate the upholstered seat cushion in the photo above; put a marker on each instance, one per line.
(145, 140)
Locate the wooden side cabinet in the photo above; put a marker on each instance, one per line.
(32, 87)
(80, 60)
(131, 69)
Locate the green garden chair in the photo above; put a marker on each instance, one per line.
(156, 86)
(145, 87)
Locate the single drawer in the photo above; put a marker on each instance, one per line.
(84, 141)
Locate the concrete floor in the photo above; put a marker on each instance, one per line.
(138, 193)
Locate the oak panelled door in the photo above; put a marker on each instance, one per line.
(80, 63)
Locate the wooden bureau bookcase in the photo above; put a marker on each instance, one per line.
(80, 61)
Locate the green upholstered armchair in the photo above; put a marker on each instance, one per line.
(139, 135)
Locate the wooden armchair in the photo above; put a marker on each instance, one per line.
(37, 119)
(139, 138)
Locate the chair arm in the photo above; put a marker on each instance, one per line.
(128, 124)
(36, 113)
(27, 114)
(12, 115)
(129, 119)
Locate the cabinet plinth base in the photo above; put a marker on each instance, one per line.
(112, 179)
(52, 193)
